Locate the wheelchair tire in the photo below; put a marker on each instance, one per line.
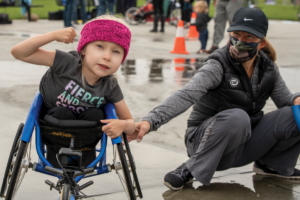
(132, 166)
(65, 193)
(175, 16)
(126, 172)
(7, 174)
(17, 174)
(129, 16)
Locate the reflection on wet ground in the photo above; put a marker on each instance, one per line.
(184, 68)
(256, 187)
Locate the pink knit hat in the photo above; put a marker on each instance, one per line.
(105, 30)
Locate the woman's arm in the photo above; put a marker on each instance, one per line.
(125, 123)
(281, 95)
(208, 77)
(29, 50)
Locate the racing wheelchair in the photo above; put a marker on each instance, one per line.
(71, 158)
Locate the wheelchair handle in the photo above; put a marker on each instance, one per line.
(54, 171)
(85, 171)
(60, 172)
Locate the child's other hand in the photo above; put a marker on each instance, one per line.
(141, 129)
(65, 35)
(114, 127)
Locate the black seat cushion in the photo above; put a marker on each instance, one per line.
(56, 134)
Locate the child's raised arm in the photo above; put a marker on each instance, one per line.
(29, 50)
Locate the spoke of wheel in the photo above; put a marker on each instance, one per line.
(123, 183)
(19, 183)
(130, 171)
(21, 174)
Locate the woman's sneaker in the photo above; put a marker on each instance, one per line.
(176, 179)
(261, 169)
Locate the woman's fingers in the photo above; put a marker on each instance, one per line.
(144, 129)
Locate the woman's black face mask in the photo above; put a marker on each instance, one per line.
(242, 51)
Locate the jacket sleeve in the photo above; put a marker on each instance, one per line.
(208, 77)
(199, 21)
(281, 95)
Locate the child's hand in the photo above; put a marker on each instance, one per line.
(114, 127)
(65, 35)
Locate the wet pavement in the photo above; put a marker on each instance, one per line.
(148, 76)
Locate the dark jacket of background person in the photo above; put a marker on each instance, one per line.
(201, 21)
(186, 15)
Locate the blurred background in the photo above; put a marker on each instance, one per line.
(274, 9)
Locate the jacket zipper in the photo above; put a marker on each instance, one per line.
(250, 88)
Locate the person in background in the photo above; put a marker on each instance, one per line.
(202, 19)
(158, 13)
(68, 13)
(82, 11)
(126, 4)
(186, 14)
(33, 16)
(208, 4)
(225, 9)
(103, 4)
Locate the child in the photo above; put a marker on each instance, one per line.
(202, 19)
(79, 83)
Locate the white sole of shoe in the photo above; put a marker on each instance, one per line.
(170, 186)
(190, 181)
(261, 172)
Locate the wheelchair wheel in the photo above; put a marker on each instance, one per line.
(136, 183)
(175, 16)
(16, 168)
(65, 193)
(123, 172)
(8, 171)
(130, 16)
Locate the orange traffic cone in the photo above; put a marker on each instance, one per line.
(193, 33)
(179, 64)
(179, 45)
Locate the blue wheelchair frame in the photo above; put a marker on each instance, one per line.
(33, 121)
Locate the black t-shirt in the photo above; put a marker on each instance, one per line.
(62, 85)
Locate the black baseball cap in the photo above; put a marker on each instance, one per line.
(251, 20)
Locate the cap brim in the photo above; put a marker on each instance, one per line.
(246, 29)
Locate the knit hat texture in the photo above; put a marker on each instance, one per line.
(105, 30)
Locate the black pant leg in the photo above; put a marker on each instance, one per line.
(61, 113)
(92, 114)
(160, 7)
(275, 141)
(155, 6)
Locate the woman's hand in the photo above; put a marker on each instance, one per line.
(297, 101)
(141, 129)
(65, 35)
(114, 127)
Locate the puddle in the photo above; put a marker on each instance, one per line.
(256, 187)
(158, 70)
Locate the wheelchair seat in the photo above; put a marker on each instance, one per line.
(56, 134)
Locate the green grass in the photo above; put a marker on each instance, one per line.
(49, 6)
(281, 12)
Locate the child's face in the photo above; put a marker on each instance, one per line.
(101, 58)
(197, 9)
